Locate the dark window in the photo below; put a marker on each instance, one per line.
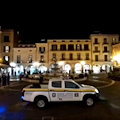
(6, 39)
(87, 56)
(78, 56)
(105, 49)
(86, 47)
(105, 40)
(96, 57)
(70, 85)
(71, 40)
(63, 47)
(42, 49)
(96, 40)
(56, 84)
(18, 58)
(54, 40)
(70, 47)
(54, 47)
(105, 57)
(71, 56)
(63, 56)
(96, 48)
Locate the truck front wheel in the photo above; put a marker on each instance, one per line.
(41, 103)
(89, 101)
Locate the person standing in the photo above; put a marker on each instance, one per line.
(8, 79)
(41, 79)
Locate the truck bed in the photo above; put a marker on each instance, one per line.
(42, 86)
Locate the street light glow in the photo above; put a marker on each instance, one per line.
(12, 64)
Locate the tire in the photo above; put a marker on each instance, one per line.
(41, 103)
(89, 101)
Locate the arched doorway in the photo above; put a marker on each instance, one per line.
(78, 68)
(106, 67)
(30, 69)
(86, 68)
(42, 69)
(96, 68)
(67, 68)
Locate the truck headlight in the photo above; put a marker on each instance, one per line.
(96, 90)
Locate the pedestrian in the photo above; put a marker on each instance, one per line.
(8, 78)
(4, 79)
(41, 79)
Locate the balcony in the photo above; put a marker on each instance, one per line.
(105, 43)
(29, 61)
(42, 61)
(96, 43)
(96, 51)
(101, 61)
(106, 51)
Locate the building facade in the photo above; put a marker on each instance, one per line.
(70, 55)
(116, 55)
(8, 40)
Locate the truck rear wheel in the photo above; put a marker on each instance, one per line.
(41, 103)
(89, 101)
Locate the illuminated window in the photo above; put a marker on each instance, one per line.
(6, 49)
(6, 58)
(78, 47)
(30, 58)
(54, 47)
(41, 58)
(42, 49)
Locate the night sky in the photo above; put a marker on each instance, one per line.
(63, 22)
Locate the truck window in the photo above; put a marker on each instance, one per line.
(70, 85)
(56, 84)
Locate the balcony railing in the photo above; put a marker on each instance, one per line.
(42, 61)
(105, 43)
(96, 43)
(106, 51)
(96, 51)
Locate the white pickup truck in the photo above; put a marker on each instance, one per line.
(59, 91)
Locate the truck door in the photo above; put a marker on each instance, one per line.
(56, 91)
(71, 91)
